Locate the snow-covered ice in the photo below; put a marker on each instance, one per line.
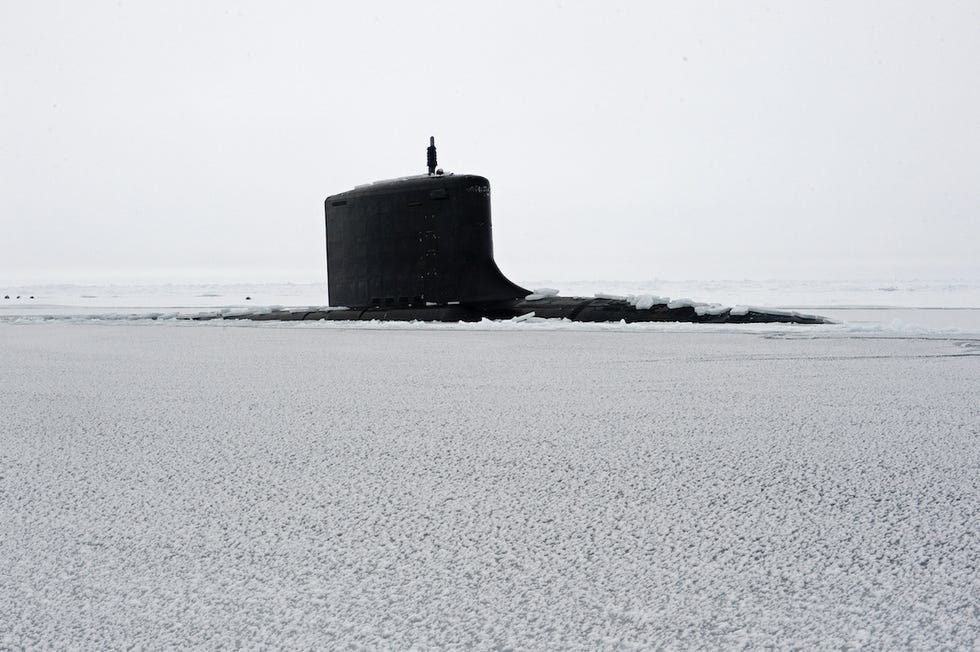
(486, 486)
(541, 293)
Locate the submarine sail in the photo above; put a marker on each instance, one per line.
(417, 241)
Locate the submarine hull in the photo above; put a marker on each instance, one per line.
(577, 309)
(420, 248)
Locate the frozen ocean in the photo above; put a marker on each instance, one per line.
(525, 485)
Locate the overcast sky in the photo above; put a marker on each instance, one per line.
(156, 141)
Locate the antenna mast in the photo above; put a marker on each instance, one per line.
(431, 155)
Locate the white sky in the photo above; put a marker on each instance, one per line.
(152, 141)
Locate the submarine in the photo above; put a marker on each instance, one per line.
(420, 248)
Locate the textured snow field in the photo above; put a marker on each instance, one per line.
(171, 485)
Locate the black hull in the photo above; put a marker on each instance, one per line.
(421, 249)
(575, 309)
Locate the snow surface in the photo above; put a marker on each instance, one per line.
(486, 486)
(541, 293)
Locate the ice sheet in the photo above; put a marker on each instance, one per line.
(184, 484)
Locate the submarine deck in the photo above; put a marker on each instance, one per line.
(578, 309)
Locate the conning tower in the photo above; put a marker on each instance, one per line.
(414, 242)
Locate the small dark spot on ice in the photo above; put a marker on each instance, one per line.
(248, 298)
